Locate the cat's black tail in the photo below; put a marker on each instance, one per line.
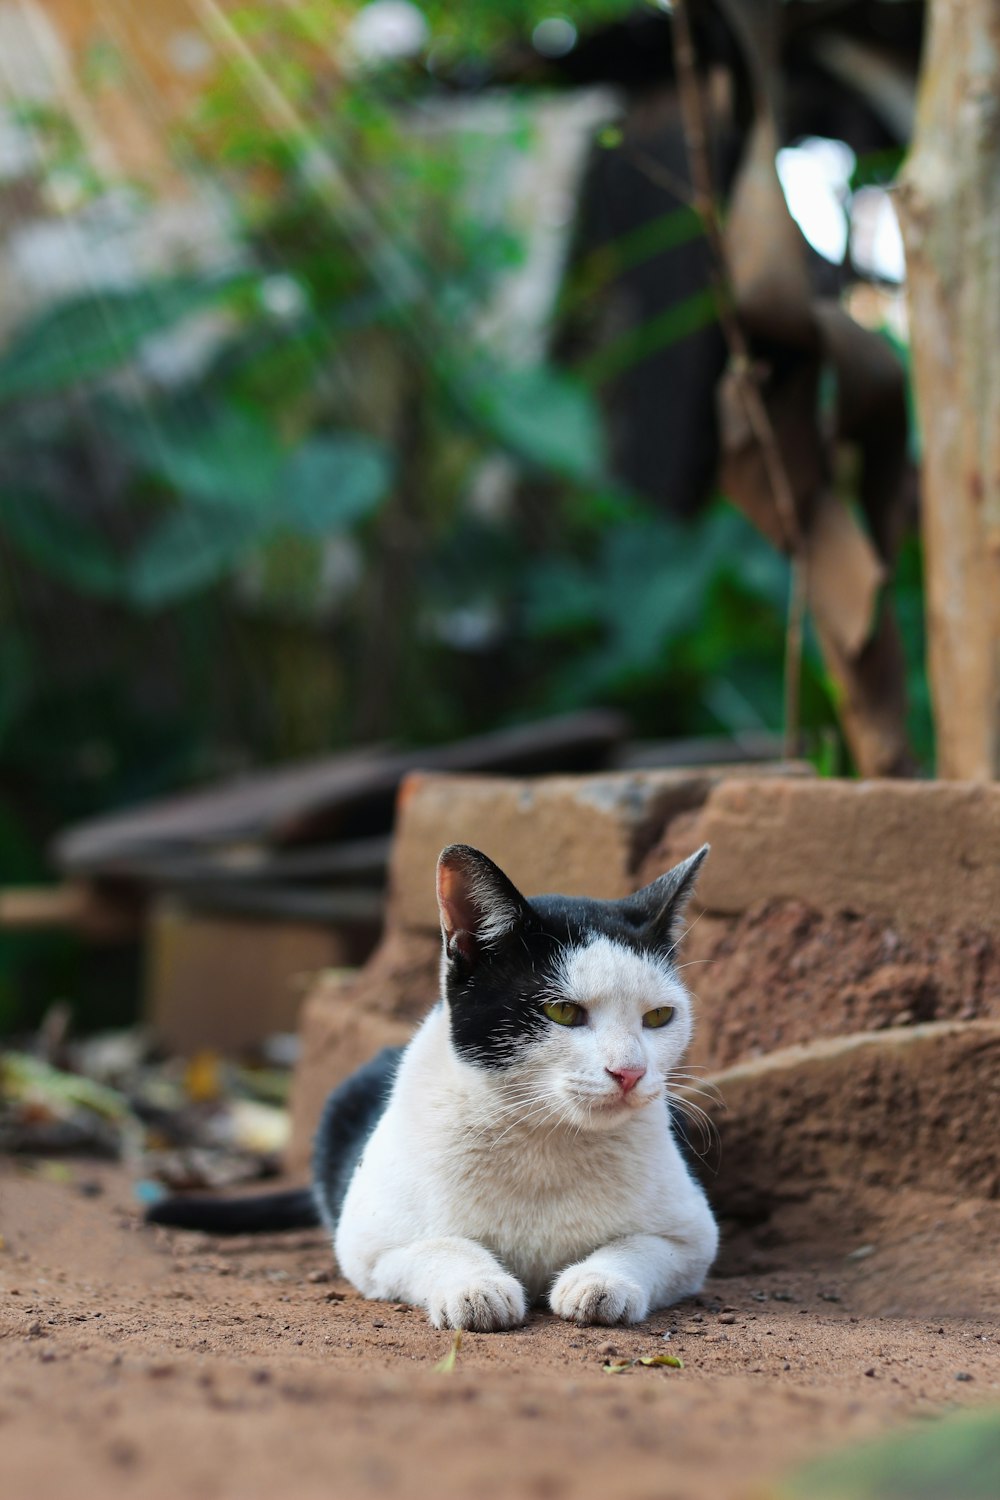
(294, 1209)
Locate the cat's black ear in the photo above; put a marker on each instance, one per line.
(478, 904)
(660, 906)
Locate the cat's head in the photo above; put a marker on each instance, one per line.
(575, 1003)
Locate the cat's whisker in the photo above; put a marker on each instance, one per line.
(693, 1084)
(517, 1108)
(702, 1147)
(699, 1119)
(517, 1090)
(685, 1102)
(488, 1125)
(677, 1075)
(528, 1094)
(538, 1115)
(701, 1094)
(517, 1113)
(562, 1118)
(525, 1112)
(683, 1075)
(677, 941)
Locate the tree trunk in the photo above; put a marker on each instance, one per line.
(950, 207)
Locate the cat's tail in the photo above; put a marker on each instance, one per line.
(294, 1209)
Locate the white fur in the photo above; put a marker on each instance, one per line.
(481, 1191)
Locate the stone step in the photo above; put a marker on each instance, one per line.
(826, 907)
(909, 1107)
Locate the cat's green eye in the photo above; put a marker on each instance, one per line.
(658, 1017)
(565, 1013)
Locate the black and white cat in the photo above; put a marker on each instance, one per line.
(520, 1147)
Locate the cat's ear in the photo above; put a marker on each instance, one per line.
(660, 906)
(478, 904)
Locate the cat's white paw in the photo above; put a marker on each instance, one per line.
(485, 1305)
(584, 1295)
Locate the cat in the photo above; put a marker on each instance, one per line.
(519, 1148)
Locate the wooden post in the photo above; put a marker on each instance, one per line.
(950, 209)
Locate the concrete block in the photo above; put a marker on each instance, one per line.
(918, 853)
(783, 972)
(578, 835)
(228, 982)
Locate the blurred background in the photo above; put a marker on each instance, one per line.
(378, 382)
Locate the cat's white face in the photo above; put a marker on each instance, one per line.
(571, 1010)
(632, 1026)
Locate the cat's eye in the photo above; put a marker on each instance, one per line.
(658, 1017)
(565, 1013)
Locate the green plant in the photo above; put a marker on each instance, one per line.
(957, 1456)
(245, 514)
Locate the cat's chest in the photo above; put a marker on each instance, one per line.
(540, 1204)
(542, 1166)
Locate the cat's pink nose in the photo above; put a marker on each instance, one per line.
(627, 1078)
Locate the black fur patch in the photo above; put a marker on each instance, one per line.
(350, 1114)
(294, 1209)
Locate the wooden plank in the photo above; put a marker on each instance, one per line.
(352, 907)
(342, 796)
(356, 861)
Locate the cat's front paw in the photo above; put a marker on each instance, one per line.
(485, 1305)
(584, 1295)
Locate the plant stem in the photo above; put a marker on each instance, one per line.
(693, 121)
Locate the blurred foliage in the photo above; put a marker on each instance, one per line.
(954, 1458)
(303, 500)
(877, 168)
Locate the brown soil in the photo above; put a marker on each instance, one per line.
(138, 1363)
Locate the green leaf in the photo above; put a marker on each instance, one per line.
(657, 597)
(446, 1366)
(85, 337)
(545, 418)
(562, 598)
(188, 550)
(326, 485)
(879, 167)
(648, 587)
(207, 450)
(60, 544)
(332, 482)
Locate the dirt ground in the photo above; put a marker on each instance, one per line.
(139, 1362)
